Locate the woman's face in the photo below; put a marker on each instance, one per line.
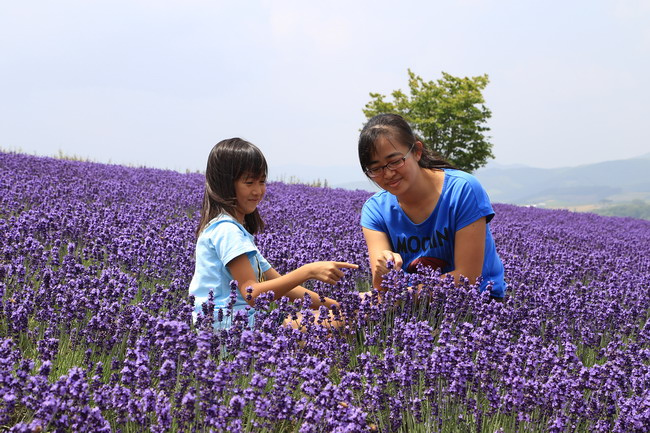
(391, 152)
(249, 191)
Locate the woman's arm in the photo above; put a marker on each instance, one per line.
(469, 250)
(242, 271)
(379, 253)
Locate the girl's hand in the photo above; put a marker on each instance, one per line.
(328, 272)
(381, 266)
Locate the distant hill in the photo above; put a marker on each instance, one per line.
(595, 185)
(343, 176)
(620, 187)
(634, 209)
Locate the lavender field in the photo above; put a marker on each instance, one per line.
(96, 333)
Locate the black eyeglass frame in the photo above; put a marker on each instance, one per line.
(393, 165)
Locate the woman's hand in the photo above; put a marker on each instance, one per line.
(327, 272)
(380, 253)
(381, 264)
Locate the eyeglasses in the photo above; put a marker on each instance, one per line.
(393, 165)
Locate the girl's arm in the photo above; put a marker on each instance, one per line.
(242, 271)
(298, 292)
(379, 252)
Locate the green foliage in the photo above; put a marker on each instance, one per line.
(635, 209)
(448, 115)
(68, 157)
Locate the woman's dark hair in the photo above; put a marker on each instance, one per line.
(394, 127)
(229, 160)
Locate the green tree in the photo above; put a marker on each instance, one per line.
(448, 115)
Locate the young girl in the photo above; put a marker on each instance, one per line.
(235, 183)
(429, 213)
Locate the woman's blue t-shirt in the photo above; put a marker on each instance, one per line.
(222, 240)
(431, 243)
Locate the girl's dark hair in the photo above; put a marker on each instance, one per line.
(394, 127)
(228, 161)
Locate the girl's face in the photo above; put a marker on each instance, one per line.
(392, 152)
(249, 191)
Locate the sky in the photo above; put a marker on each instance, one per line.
(158, 83)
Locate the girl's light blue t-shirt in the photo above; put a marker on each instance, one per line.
(222, 240)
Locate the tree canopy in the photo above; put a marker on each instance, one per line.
(448, 115)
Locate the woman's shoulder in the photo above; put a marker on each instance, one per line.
(378, 199)
(459, 174)
(460, 177)
(463, 184)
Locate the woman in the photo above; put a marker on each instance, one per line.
(428, 213)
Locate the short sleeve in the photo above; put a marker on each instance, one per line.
(230, 242)
(264, 265)
(371, 217)
(472, 203)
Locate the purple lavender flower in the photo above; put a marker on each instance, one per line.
(97, 333)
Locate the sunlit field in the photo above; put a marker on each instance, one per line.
(96, 333)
